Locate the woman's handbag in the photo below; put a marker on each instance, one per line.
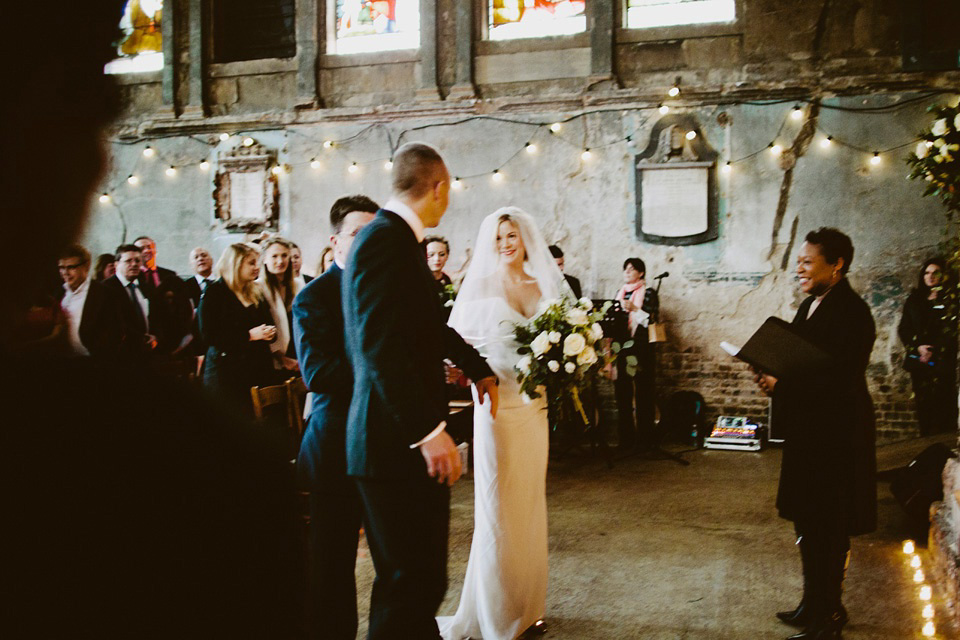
(656, 332)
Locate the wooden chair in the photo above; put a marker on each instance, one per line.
(264, 397)
(296, 399)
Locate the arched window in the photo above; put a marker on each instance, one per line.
(643, 14)
(376, 25)
(141, 45)
(510, 19)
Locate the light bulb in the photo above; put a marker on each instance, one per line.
(148, 152)
(497, 176)
(388, 165)
(927, 611)
(797, 113)
(674, 91)
(134, 180)
(204, 165)
(915, 562)
(353, 168)
(224, 137)
(105, 198)
(555, 127)
(875, 160)
(826, 142)
(586, 155)
(776, 149)
(314, 164)
(929, 630)
(531, 148)
(926, 592)
(171, 171)
(456, 183)
(727, 168)
(664, 109)
(327, 144)
(276, 170)
(248, 141)
(691, 135)
(908, 546)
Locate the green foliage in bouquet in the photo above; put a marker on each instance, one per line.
(937, 157)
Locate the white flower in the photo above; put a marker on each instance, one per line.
(939, 143)
(448, 303)
(953, 147)
(525, 363)
(526, 399)
(588, 356)
(555, 337)
(939, 127)
(596, 331)
(922, 150)
(541, 344)
(928, 178)
(577, 316)
(553, 365)
(574, 344)
(956, 122)
(569, 367)
(586, 303)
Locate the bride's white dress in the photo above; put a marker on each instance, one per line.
(505, 589)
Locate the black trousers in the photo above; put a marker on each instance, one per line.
(936, 396)
(824, 547)
(640, 389)
(335, 517)
(407, 523)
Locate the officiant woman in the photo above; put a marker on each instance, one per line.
(828, 476)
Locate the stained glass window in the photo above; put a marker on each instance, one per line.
(141, 45)
(377, 25)
(509, 19)
(665, 13)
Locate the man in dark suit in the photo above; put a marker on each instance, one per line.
(828, 474)
(574, 283)
(397, 448)
(166, 288)
(193, 288)
(335, 509)
(143, 318)
(92, 311)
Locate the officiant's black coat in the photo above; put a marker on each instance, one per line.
(829, 457)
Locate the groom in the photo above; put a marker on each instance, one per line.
(403, 460)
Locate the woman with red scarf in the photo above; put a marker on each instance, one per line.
(641, 304)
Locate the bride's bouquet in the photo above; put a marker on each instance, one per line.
(561, 348)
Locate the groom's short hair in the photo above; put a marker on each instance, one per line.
(416, 168)
(347, 205)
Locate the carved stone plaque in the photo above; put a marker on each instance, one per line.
(246, 193)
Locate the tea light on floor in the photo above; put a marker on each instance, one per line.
(908, 546)
(918, 576)
(929, 630)
(925, 592)
(915, 562)
(927, 611)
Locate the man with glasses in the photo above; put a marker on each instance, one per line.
(92, 313)
(141, 315)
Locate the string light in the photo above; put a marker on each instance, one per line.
(918, 576)
(148, 152)
(224, 137)
(908, 546)
(171, 171)
(497, 176)
(929, 630)
(530, 147)
(204, 165)
(826, 142)
(915, 562)
(663, 109)
(555, 127)
(586, 155)
(926, 592)
(927, 611)
(327, 144)
(353, 168)
(132, 179)
(105, 198)
(388, 165)
(875, 160)
(674, 90)
(797, 113)
(276, 170)
(691, 135)
(727, 168)
(314, 163)
(776, 149)
(456, 183)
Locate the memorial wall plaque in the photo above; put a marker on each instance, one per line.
(247, 194)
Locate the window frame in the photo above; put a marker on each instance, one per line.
(328, 48)
(625, 34)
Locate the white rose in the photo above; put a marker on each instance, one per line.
(928, 178)
(573, 345)
(553, 365)
(555, 337)
(586, 303)
(540, 344)
(922, 150)
(956, 122)
(525, 364)
(569, 367)
(448, 303)
(577, 316)
(588, 356)
(596, 331)
(939, 127)
(939, 143)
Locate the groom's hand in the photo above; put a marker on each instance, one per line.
(443, 458)
(487, 388)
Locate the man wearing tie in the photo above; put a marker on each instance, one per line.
(165, 288)
(335, 509)
(139, 313)
(193, 288)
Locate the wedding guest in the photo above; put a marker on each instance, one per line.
(640, 303)
(296, 262)
(279, 289)
(574, 283)
(326, 259)
(828, 485)
(201, 262)
(104, 267)
(141, 315)
(92, 313)
(165, 288)
(928, 330)
(335, 508)
(437, 250)
(236, 323)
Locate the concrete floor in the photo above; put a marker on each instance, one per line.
(652, 549)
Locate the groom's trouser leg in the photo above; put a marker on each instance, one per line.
(407, 522)
(335, 513)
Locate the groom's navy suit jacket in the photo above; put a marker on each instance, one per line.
(318, 335)
(397, 341)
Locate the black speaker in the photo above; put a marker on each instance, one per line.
(919, 484)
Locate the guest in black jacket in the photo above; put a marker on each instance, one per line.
(235, 322)
(574, 283)
(828, 475)
(193, 288)
(335, 509)
(928, 330)
(144, 320)
(94, 325)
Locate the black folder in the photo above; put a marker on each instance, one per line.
(777, 349)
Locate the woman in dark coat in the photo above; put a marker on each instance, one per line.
(236, 323)
(928, 330)
(828, 475)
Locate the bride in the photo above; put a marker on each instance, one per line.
(505, 588)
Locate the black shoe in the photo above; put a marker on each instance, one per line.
(538, 628)
(828, 629)
(800, 617)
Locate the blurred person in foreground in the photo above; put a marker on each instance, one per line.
(133, 509)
